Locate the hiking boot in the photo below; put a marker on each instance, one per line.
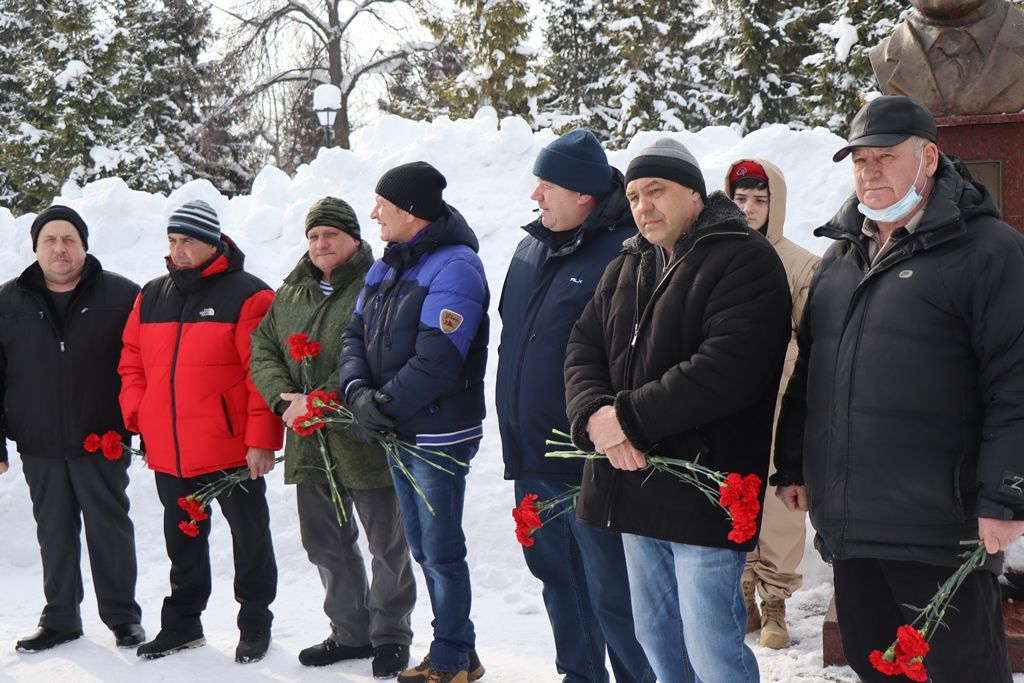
(44, 638)
(753, 615)
(422, 672)
(389, 660)
(252, 646)
(128, 635)
(330, 652)
(774, 633)
(168, 642)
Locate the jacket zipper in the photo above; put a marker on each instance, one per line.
(174, 398)
(639, 318)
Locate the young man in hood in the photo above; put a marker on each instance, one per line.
(759, 189)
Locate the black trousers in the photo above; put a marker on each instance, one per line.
(245, 509)
(872, 598)
(65, 491)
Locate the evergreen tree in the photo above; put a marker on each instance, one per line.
(762, 45)
(577, 67)
(839, 63)
(658, 77)
(67, 107)
(501, 68)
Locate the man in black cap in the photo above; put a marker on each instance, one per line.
(412, 363)
(901, 427)
(584, 219)
(59, 346)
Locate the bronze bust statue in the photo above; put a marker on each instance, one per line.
(957, 57)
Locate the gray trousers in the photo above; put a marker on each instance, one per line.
(377, 612)
(64, 492)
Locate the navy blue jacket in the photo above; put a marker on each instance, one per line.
(546, 289)
(419, 333)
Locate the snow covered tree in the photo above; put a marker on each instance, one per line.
(576, 69)
(839, 65)
(284, 43)
(761, 45)
(66, 106)
(658, 78)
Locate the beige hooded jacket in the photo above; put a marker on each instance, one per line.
(800, 264)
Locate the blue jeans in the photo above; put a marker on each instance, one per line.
(689, 612)
(586, 594)
(438, 545)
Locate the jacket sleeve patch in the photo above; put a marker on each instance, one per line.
(1012, 484)
(449, 321)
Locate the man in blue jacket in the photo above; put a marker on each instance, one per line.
(584, 219)
(412, 363)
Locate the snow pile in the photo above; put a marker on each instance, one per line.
(488, 166)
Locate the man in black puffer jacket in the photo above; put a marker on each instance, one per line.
(902, 428)
(679, 355)
(60, 340)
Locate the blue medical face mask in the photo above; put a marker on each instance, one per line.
(901, 207)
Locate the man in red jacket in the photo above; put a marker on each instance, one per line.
(186, 389)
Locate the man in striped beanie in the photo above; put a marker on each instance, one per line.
(185, 386)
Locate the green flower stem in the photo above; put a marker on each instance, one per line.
(332, 484)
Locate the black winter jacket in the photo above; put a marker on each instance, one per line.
(691, 363)
(904, 416)
(59, 382)
(546, 289)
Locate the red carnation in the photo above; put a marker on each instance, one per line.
(530, 515)
(318, 400)
(911, 642)
(92, 443)
(883, 665)
(302, 348)
(307, 424)
(312, 349)
(110, 442)
(195, 510)
(189, 528)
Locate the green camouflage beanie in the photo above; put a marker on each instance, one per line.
(335, 213)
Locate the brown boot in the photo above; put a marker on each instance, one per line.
(753, 615)
(774, 633)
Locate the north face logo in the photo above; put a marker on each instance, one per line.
(206, 313)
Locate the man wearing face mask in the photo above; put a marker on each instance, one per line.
(901, 428)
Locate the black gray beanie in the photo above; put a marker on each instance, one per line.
(58, 212)
(670, 160)
(414, 187)
(333, 212)
(196, 219)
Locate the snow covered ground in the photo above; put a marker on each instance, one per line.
(488, 165)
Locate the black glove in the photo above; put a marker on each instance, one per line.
(362, 434)
(364, 402)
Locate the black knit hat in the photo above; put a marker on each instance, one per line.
(333, 212)
(196, 219)
(414, 187)
(59, 213)
(670, 160)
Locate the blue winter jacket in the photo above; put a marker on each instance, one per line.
(546, 289)
(419, 334)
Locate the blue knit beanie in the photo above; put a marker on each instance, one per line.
(576, 162)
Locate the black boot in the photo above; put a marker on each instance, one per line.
(330, 652)
(44, 638)
(252, 646)
(128, 635)
(168, 642)
(390, 660)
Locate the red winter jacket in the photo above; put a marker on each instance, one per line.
(185, 383)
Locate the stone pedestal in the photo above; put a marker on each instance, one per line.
(992, 146)
(1013, 616)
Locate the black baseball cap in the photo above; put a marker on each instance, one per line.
(886, 121)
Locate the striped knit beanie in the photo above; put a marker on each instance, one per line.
(335, 213)
(196, 219)
(670, 160)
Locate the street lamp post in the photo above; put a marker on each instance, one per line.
(327, 104)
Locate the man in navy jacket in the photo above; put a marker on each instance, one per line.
(412, 363)
(584, 219)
